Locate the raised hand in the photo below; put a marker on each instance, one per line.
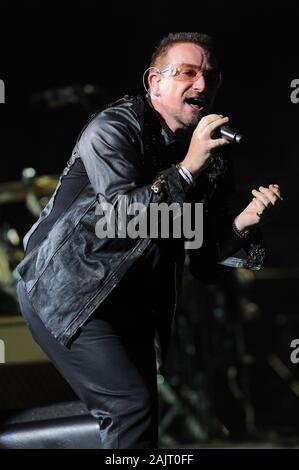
(263, 206)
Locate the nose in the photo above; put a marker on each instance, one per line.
(200, 84)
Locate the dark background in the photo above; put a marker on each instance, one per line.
(50, 52)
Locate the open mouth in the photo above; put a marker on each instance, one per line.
(195, 103)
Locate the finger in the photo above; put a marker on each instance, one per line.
(219, 143)
(278, 195)
(261, 197)
(215, 124)
(273, 193)
(269, 194)
(260, 207)
(210, 118)
(276, 190)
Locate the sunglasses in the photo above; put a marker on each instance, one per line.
(191, 73)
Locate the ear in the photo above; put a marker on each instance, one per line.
(153, 81)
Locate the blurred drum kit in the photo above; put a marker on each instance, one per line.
(34, 191)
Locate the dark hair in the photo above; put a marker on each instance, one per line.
(203, 40)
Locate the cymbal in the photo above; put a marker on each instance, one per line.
(16, 191)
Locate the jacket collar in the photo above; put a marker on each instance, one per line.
(166, 133)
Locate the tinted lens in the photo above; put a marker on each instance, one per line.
(188, 73)
(191, 73)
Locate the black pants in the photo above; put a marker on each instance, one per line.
(111, 365)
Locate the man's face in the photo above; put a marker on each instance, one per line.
(180, 102)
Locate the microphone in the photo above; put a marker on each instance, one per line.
(230, 134)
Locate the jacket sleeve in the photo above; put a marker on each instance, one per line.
(221, 245)
(110, 148)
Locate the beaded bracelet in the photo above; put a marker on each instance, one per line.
(245, 235)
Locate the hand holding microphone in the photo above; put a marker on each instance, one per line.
(210, 134)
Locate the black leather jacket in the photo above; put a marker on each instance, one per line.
(124, 147)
